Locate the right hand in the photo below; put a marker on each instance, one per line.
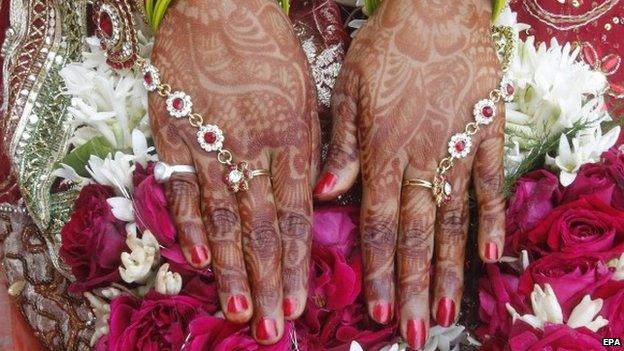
(410, 81)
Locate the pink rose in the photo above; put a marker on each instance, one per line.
(536, 194)
(217, 334)
(571, 277)
(150, 208)
(583, 226)
(613, 160)
(332, 279)
(140, 172)
(93, 240)
(336, 227)
(613, 307)
(156, 323)
(203, 289)
(497, 289)
(554, 337)
(592, 179)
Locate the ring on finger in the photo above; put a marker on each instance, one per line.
(163, 171)
(237, 176)
(441, 187)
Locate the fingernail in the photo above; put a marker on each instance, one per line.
(416, 333)
(491, 251)
(381, 312)
(289, 306)
(266, 329)
(199, 254)
(237, 304)
(446, 312)
(325, 184)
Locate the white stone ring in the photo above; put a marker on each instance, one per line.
(164, 171)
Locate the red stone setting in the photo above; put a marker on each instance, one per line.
(178, 103)
(147, 77)
(510, 89)
(210, 137)
(460, 146)
(105, 23)
(487, 111)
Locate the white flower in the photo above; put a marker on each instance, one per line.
(140, 150)
(583, 315)
(106, 102)
(618, 264)
(101, 310)
(122, 208)
(145, 255)
(546, 309)
(168, 283)
(113, 171)
(587, 146)
(554, 92)
(355, 346)
(447, 339)
(69, 174)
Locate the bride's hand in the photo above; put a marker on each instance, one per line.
(411, 79)
(243, 67)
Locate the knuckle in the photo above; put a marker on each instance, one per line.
(224, 221)
(379, 234)
(294, 226)
(453, 225)
(263, 241)
(416, 236)
(491, 184)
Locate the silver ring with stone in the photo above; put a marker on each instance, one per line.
(163, 171)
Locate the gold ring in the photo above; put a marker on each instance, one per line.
(418, 182)
(260, 172)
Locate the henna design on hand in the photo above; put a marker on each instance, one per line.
(410, 81)
(246, 72)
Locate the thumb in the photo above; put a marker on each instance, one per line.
(343, 164)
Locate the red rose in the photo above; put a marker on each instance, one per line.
(336, 227)
(613, 159)
(536, 194)
(217, 334)
(156, 323)
(333, 280)
(613, 307)
(150, 208)
(93, 240)
(592, 179)
(583, 226)
(554, 337)
(496, 290)
(571, 277)
(320, 329)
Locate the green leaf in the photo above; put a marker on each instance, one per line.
(79, 156)
(370, 6)
(159, 13)
(497, 8)
(285, 5)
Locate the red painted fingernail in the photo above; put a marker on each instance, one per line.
(237, 304)
(416, 333)
(325, 184)
(491, 251)
(289, 306)
(199, 254)
(266, 329)
(446, 312)
(381, 312)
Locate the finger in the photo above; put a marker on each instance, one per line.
(222, 219)
(414, 252)
(488, 182)
(450, 244)
(183, 194)
(262, 248)
(293, 199)
(342, 165)
(379, 216)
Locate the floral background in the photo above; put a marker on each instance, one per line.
(560, 285)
